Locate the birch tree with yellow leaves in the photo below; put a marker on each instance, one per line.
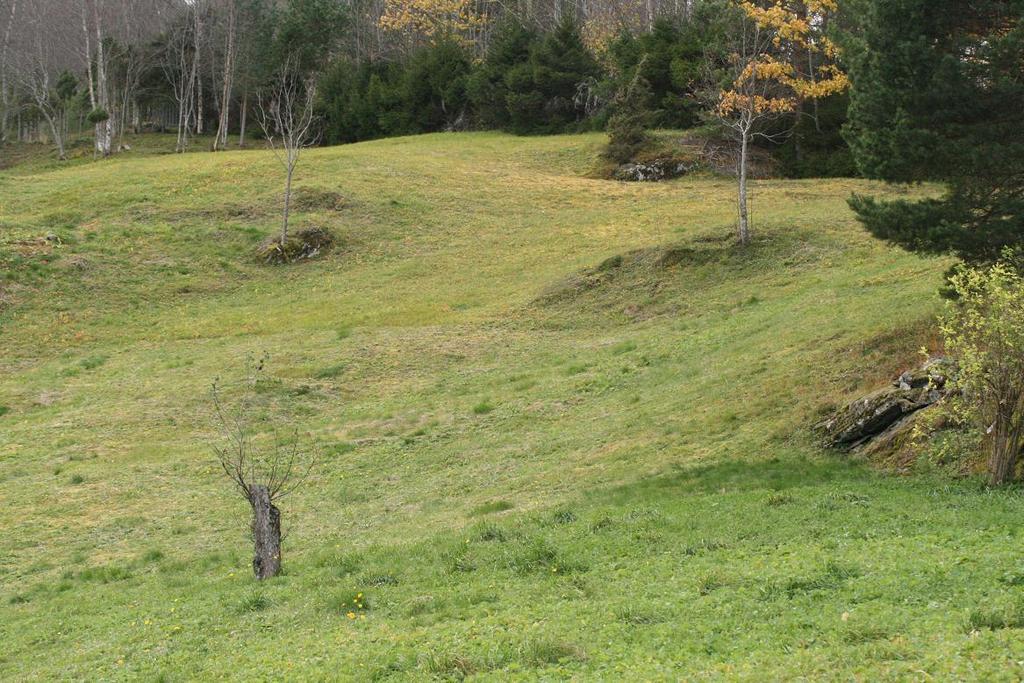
(777, 58)
(433, 19)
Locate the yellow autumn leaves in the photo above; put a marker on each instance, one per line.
(431, 18)
(798, 34)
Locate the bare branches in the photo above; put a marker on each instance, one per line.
(249, 446)
(35, 67)
(181, 67)
(285, 112)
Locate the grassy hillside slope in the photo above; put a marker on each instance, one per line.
(542, 460)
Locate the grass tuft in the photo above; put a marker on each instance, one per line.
(482, 408)
(491, 507)
(256, 601)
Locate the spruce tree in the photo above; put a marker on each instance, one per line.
(937, 97)
(488, 87)
(627, 127)
(542, 91)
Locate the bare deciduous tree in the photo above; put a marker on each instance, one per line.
(264, 464)
(229, 24)
(99, 93)
(5, 44)
(35, 69)
(285, 112)
(132, 57)
(181, 64)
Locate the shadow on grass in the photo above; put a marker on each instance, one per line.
(773, 474)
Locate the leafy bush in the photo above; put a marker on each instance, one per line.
(97, 116)
(984, 329)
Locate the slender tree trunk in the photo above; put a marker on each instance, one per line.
(241, 130)
(5, 103)
(58, 139)
(266, 533)
(221, 140)
(103, 128)
(287, 200)
(93, 104)
(744, 225)
(1006, 438)
(200, 116)
(197, 73)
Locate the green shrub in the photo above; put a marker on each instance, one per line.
(984, 330)
(97, 116)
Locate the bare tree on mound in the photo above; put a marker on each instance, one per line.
(285, 113)
(264, 465)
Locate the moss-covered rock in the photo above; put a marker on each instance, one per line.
(301, 245)
(884, 412)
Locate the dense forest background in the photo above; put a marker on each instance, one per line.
(381, 68)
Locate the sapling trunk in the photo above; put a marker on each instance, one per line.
(744, 227)
(241, 126)
(287, 202)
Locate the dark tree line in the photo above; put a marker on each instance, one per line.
(385, 67)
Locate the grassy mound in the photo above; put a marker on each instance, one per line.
(518, 487)
(316, 199)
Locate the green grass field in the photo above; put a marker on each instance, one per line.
(541, 461)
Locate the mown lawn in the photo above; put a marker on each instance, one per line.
(541, 461)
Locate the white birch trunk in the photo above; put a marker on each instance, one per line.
(744, 218)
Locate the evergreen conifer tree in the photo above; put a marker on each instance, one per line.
(937, 96)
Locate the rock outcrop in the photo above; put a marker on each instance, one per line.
(652, 171)
(881, 421)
